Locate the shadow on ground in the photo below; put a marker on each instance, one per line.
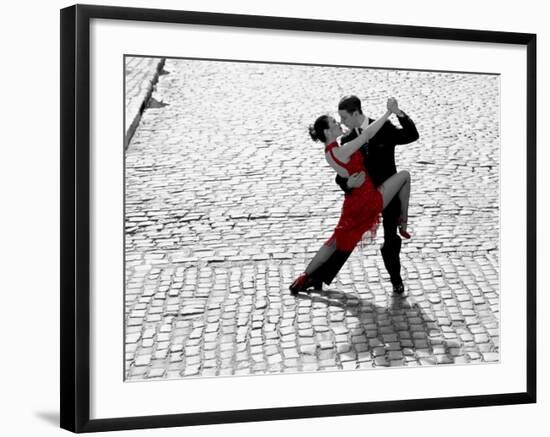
(400, 330)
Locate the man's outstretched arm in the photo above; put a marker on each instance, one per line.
(408, 132)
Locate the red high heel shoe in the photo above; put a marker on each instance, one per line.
(303, 283)
(402, 231)
(299, 284)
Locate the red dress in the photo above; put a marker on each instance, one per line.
(362, 207)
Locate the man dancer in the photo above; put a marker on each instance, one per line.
(379, 155)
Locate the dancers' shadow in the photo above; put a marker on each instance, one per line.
(400, 321)
(354, 305)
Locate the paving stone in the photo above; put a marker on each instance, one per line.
(388, 338)
(481, 338)
(375, 342)
(328, 363)
(324, 354)
(290, 353)
(423, 353)
(395, 355)
(343, 347)
(340, 330)
(143, 360)
(350, 365)
(430, 361)
(160, 354)
(491, 356)
(156, 373)
(361, 347)
(474, 356)
(420, 344)
(394, 346)
(419, 335)
(327, 344)
(133, 338)
(364, 356)
(485, 347)
(348, 356)
(443, 359)
(310, 367)
(308, 349)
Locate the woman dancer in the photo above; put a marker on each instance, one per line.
(361, 210)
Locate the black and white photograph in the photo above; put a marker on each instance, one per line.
(295, 218)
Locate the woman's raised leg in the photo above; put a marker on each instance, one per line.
(399, 184)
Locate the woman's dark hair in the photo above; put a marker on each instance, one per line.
(317, 129)
(350, 104)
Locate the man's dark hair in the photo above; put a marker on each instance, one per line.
(350, 104)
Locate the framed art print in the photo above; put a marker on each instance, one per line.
(211, 261)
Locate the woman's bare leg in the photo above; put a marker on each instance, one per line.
(304, 281)
(398, 184)
(322, 255)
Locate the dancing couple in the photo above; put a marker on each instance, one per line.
(364, 161)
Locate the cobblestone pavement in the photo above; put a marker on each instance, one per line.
(227, 199)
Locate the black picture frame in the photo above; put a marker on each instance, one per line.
(75, 217)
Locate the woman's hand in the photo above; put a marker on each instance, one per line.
(392, 105)
(356, 179)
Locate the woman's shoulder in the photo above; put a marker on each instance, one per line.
(331, 146)
(333, 152)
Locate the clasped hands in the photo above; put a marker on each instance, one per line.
(392, 106)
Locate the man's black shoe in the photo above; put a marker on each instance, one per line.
(399, 288)
(315, 284)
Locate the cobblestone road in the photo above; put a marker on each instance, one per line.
(227, 199)
(140, 76)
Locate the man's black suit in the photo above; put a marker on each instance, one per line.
(379, 155)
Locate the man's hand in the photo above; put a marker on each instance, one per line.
(394, 107)
(392, 104)
(356, 179)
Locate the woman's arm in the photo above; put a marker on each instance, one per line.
(344, 152)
